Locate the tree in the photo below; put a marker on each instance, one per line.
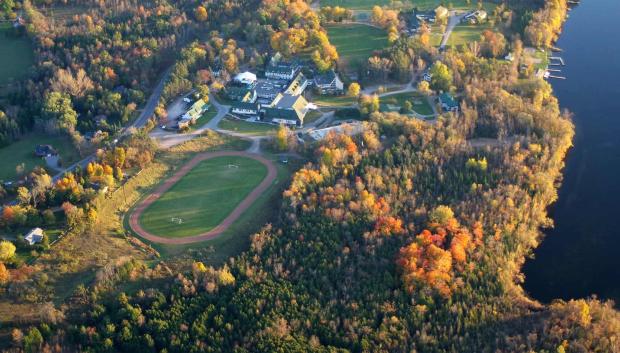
(282, 138)
(204, 92)
(41, 183)
(424, 88)
(201, 13)
(23, 195)
(59, 108)
(33, 341)
(493, 44)
(7, 250)
(74, 85)
(354, 89)
(441, 79)
(5, 276)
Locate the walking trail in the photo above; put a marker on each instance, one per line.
(134, 218)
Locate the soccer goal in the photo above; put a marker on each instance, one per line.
(176, 220)
(233, 166)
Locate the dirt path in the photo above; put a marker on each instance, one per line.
(227, 222)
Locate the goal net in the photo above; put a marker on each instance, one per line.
(233, 166)
(176, 220)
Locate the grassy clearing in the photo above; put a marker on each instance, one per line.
(356, 42)
(245, 127)
(419, 102)
(464, 34)
(22, 151)
(203, 197)
(16, 55)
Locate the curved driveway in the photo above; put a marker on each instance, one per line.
(226, 223)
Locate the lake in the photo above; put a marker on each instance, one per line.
(581, 255)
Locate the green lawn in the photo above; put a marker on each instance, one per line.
(466, 33)
(420, 103)
(16, 55)
(22, 151)
(355, 42)
(247, 127)
(204, 197)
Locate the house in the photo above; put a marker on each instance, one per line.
(245, 108)
(44, 151)
(448, 103)
(279, 69)
(19, 22)
(428, 76)
(476, 17)
(328, 83)
(441, 13)
(34, 236)
(246, 78)
(286, 109)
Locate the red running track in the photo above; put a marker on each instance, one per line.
(226, 223)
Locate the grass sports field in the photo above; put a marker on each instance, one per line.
(355, 42)
(16, 55)
(204, 197)
(22, 151)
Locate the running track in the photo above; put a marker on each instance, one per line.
(220, 228)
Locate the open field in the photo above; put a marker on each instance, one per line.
(16, 55)
(245, 127)
(203, 197)
(356, 42)
(466, 33)
(22, 151)
(419, 102)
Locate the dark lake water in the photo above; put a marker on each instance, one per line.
(581, 255)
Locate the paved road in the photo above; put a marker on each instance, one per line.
(226, 223)
(454, 20)
(146, 113)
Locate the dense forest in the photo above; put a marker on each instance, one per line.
(408, 237)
